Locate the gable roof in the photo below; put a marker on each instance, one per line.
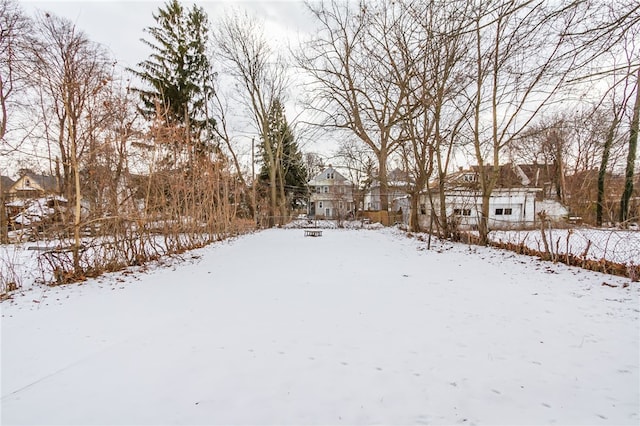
(47, 183)
(329, 176)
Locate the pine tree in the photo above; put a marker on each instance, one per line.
(178, 72)
(291, 174)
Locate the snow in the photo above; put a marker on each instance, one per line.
(354, 327)
(34, 211)
(616, 245)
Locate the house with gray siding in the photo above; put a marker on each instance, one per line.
(331, 195)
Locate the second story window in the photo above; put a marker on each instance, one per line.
(326, 189)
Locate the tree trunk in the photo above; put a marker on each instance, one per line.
(606, 150)
(483, 220)
(4, 235)
(414, 223)
(382, 178)
(443, 224)
(78, 207)
(631, 156)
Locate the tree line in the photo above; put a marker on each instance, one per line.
(491, 81)
(419, 84)
(145, 159)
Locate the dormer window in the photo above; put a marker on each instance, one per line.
(330, 175)
(470, 177)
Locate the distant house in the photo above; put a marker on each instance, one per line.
(515, 201)
(31, 185)
(397, 184)
(331, 195)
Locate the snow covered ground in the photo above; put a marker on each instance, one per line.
(616, 245)
(354, 327)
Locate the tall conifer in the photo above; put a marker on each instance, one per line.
(291, 174)
(178, 73)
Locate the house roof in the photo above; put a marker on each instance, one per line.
(396, 178)
(329, 176)
(7, 182)
(47, 183)
(539, 174)
(510, 175)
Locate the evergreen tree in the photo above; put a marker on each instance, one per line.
(291, 174)
(178, 72)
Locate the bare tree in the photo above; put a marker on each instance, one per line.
(14, 30)
(523, 55)
(69, 71)
(359, 164)
(435, 50)
(359, 81)
(631, 155)
(261, 75)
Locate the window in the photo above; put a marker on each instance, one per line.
(330, 175)
(340, 205)
(27, 183)
(507, 211)
(319, 204)
(499, 212)
(462, 212)
(423, 209)
(470, 177)
(326, 189)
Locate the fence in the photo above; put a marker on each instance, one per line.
(612, 250)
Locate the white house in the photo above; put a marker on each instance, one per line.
(331, 195)
(512, 204)
(508, 207)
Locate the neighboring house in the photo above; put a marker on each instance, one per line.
(508, 207)
(515, 201)
(31, 185)
(331, 195)
(397, 184)
(5, 184)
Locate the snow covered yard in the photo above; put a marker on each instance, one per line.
(616, 245)
(354, 327)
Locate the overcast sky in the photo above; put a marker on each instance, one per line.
(119, 24)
